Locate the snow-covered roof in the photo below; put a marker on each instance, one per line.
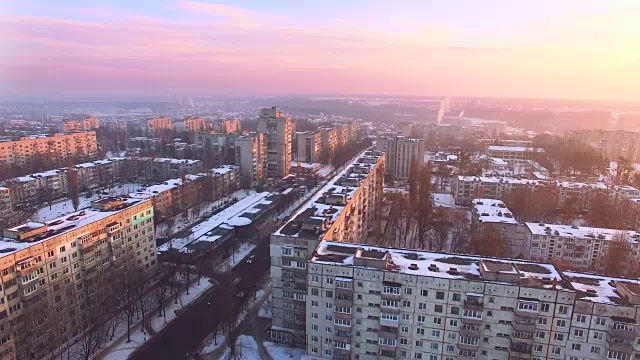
(345, 183)
(514, 148)
(492, 211)
(154, 190)
(59, 226)
(438, 265)
(582, 232)
(224, 169)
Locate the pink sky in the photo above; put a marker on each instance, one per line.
(199, 48)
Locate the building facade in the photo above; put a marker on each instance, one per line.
(61, 278)
(250, 156)
(612, 144)
(157, 126)
(90, 122)
(309, 147)
(404, 151)
(329, 143)
(345, 212)
(367, 303)
(57, 149)
(277, 131)
(191, 125)
(160, 169)
(226, 126)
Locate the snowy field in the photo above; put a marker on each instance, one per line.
(65, 206)
(247, 348)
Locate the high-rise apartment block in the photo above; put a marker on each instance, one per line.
(277, 131)
(345, 211)
(227, 126)
(612, 144)
(160, 169)
(57, 149)
(60, 278)
(191, 125)
(309, 146)
(365, 302)
(250, 156)
(329, 137)
(403, 153)
(90, 122)
(156, 126)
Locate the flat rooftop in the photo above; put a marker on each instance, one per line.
(342, 186)
(492, 211)
(439, 265)
(61, 225)
(514, 148)
(582, 232)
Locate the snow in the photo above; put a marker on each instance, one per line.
(325, 170)
(266, 310)
(443, 200)
(279, 352)
(238, 255)
(605, 293)
(582, 233)
(119, 349)
(514, 148)
(247, 348)
(65, 206)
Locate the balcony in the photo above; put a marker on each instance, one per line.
(471, 347)
(471, 331)
(523, 326)
(626, 331)
(470, 320)
(521, 351)
(525, 314)
(621, 345)
(473, 304)
(522, 339)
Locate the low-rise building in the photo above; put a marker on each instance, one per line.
(495, 214)
(160, 169)
(512, 152)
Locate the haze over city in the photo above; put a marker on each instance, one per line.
(527, 49)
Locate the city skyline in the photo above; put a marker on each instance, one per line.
(572, 50)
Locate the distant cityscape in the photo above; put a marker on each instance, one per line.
(323, 228)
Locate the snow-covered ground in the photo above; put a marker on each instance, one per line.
(443, 200)
(325, 170)
(279, 352)
(65, 206)
(238, 255)
(119, 349)
(246, 348)
(266, 310)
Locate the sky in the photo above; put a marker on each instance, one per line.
(587, 49)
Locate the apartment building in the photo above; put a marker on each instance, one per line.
(343, 131)
(59, 149)
(6, 208)
(278, 132)
(512, 152)
(309, 146)
(191, 125)
(157, 126)
(364, 302)
(577, 247)
(100, 173)
(343, 211)
(612, 144)
(494, 213)
(329, 142)
(89, 122)
(160, 169)
(404, 152)
(251, 157)
(221, 181)
(226, 126)
(61, 277)
(579, 195)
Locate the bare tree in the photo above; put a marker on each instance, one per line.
(461, 232)
(229, 320)
(618, 260)
(92, 337)
(489, 242)
(74, 188)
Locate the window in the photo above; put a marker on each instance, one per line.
(540, 334)
(576, 347)
(598, 335)
(406, 303)
(315, 278)
(435, 333)
(419, 331)
(50, 253)
(391, 290)
(544, 307)
(419, 343)
(453, 322)
(440, 295)
(62, 249)
(424, 292)
(421, 318)
(581, 318)
(314, 303)
(438, 308)
(314, 315)
(422, 306)
(437, 321)
(455, 310)
(453, 336)
(563, 309)
(528, 306)
(404, 341)
(472, 314)
(542, 321)
(404, 329)
(407, 290)
(556, 350)
(457, 297)
(561, 323)
(435, 346)
(578, 332)
(601, 321)
(330, 281)
(315, 292)
(595, 350)
(558, 337)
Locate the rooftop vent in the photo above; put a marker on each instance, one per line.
(434, 268)
(413, 267)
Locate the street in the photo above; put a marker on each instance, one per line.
(187, 331)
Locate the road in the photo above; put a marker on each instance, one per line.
(187, 331)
